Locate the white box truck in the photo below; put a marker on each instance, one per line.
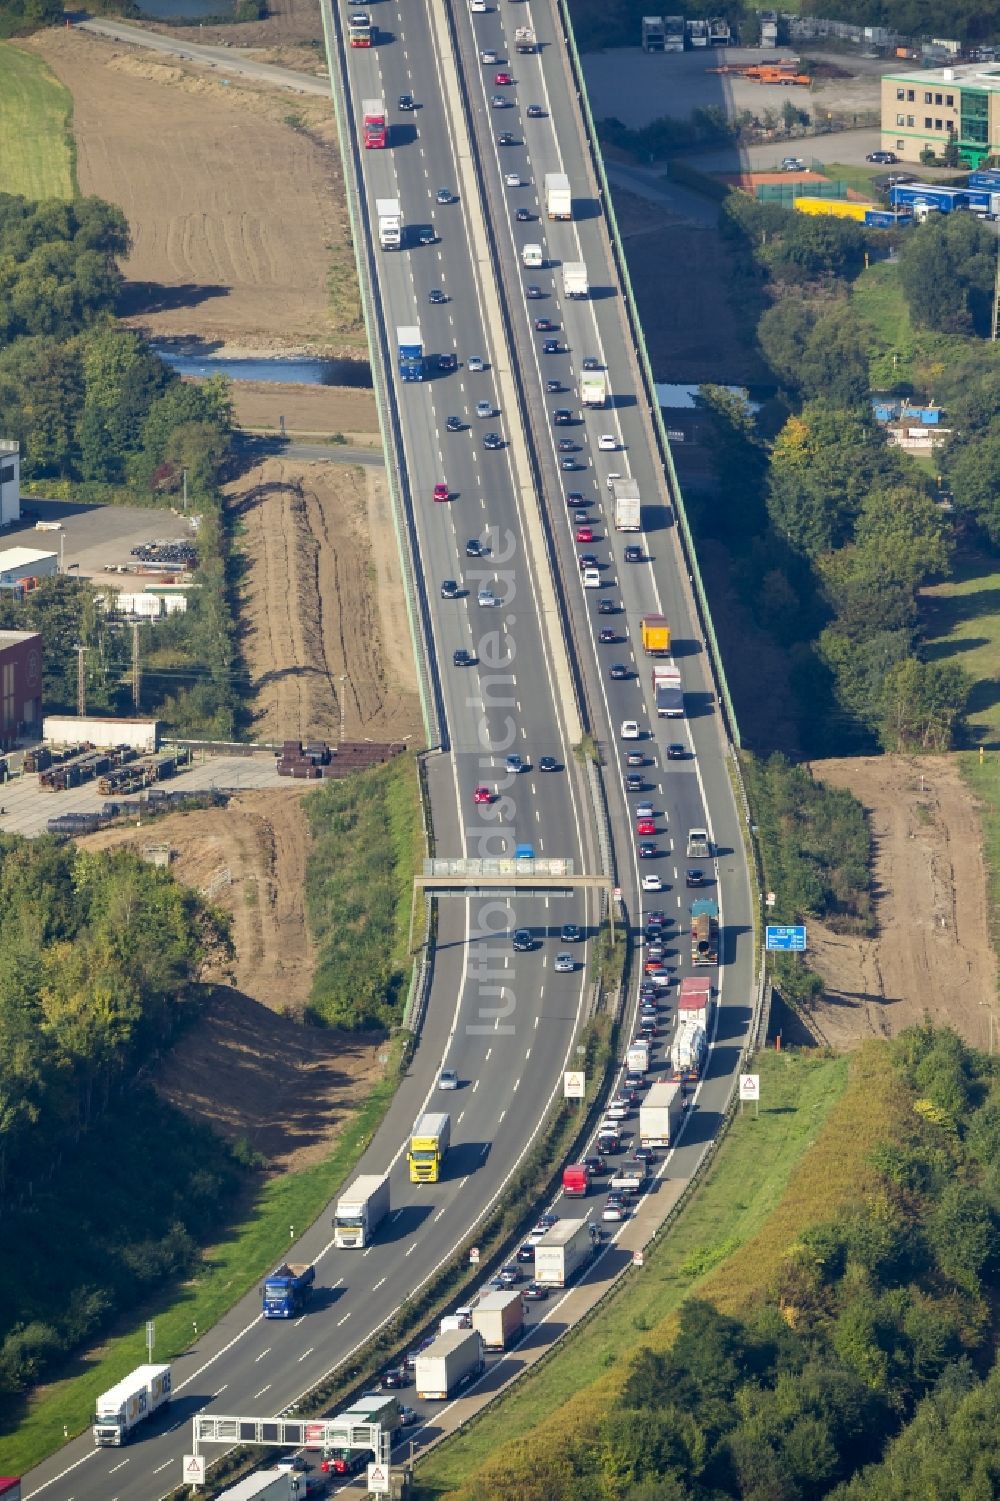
(134, 1399)
(593, 388)
(667, 690)
(499, 1318)
(574, 275)
(637, 1057)
(660, 1115)
(449, 1362)
(390, 223)
(361, 1210)
(558, 198)
(628, 507)
(562, 1250)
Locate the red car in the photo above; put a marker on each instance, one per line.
(502, 80)
(440, 492)
(645, 826)
(585, 534)
(482, 795)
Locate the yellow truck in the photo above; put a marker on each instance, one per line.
(429, 1145)
(655, 636)
(837, 208)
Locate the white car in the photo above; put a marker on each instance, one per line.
(644, 810)
(513, 179)
(630, 729)
(652, 883)
(616, 1111)
(612, 477)
(616, 1212)
(484, 409)
(474, 364)
(564, 964)
(591, 578)
(487, 600)
(488, 55)
(607, 443)
(447, 1079)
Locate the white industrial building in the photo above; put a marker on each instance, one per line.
(19, 563)
(142, 735)
(10, 482)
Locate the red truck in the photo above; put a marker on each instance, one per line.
(374, 127)
(576, 1180)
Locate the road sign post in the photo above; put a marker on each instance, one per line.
(750, 1090)
(378, 1480)
(150, 1339)
(194, 1469)
(574, 1085)
(785, 940)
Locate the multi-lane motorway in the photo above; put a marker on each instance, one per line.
(505, 1022)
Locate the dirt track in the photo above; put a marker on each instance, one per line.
(322, 604)
(932, 955)
(307, 410)
(234, 213)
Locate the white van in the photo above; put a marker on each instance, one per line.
(591, 578)
(531, 256)
(477, 7)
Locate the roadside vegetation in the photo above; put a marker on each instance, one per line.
(811, 1352)
(815, 852)
(368, 844)
(36, 140)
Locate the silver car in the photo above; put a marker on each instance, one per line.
(447, 1079)
(484, 409)
(563, 964)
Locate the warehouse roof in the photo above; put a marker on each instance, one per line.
(966, 75)
(21, 557)
(14, 638)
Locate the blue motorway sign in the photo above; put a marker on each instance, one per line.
(785, 940)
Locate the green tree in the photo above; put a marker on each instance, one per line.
(824, 463)
(946, 270)
(973, 465)
(122, 378)
(924, 706)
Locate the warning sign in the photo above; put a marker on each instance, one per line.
(750, 1087)
(194, 1469)
(378, 1480)
(574, 1085)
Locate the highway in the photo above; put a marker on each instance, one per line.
(506, 1023)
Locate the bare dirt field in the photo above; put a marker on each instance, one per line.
(290, 35)
(323, 613)
(236, 215)
(307, 410)
(247, 1069)
(932, 956)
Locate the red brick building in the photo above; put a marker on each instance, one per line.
(20, 685)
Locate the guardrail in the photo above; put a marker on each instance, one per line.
(642, 354)
(380, 351)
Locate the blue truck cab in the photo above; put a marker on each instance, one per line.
(284, 1293)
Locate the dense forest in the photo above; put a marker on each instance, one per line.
(100, 417)
(832, 532)
(863, 1372)
(99, 962)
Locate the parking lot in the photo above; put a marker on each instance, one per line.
(26, 807)
(90, 538)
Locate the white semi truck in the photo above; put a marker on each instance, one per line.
(134, 1399)
(660, 1115)
(390, 223)
(575, 283)
(360, 1211)
(562, 1250)
(628, 507)
(558, 196)
(449, 1361)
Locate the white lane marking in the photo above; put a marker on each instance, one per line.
(114, 1468)
(260, 1357)
(343, 1320)
(305, 1353)
(263, 1389)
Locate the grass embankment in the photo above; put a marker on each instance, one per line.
(369, 842)
(901, 355)
(344, 865)
(856, 177)
(37, 157)
(798, 1163)
(963, 628)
